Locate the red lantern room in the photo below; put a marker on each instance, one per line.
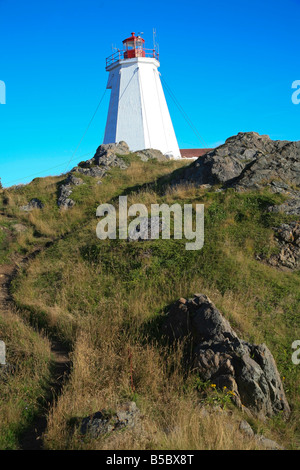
(134, 47)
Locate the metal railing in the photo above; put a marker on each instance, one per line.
(119, 55)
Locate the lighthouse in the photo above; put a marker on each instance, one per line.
(138, 112)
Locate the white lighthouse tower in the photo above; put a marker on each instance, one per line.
(138, 112)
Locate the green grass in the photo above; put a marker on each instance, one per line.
(107, 297)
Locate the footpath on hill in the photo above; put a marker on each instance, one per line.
(32, 438)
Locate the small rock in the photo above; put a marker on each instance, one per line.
(19, 228)
(103, 422)
(268, 444)
(71, 179)
(246, 428)
(33, 204)
(151, 154)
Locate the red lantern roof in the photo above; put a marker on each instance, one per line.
(134, 46)
(134, 38)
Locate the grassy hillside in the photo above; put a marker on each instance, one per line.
(104, 301)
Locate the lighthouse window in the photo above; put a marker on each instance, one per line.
(130, 45)
(139, 45)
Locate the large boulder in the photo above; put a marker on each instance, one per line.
(220, 356)
(249, 160)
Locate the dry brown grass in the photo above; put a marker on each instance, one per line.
(169, 420)
(28, 355)
(103, 315)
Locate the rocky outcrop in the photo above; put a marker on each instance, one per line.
(105, 158)
(291, 206)
(64, 201)
(250, 161)
(220, 356)
(288, 238)
(104, 422)
(32, 204)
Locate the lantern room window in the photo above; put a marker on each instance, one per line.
(134, 47)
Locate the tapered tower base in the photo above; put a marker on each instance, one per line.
(138, 111)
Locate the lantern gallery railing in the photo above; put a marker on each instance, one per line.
(119, 55)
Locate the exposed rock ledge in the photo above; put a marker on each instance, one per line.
(250, 161)
(220, 356)
(288, 239)
(106, 157)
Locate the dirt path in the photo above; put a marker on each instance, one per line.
(32, 439)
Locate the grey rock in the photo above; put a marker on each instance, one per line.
(246, 429)
(105, 158)
(249, 371)
(33, 204)
(288, 239)
(150, 154)
(107, 155)
(93, 171)
(291, 206)
(71, 179)
(262, 441)
(267, 444)
(64, 201)
(103, 422)
(250, 161)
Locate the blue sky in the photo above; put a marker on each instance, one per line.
(230, 64)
